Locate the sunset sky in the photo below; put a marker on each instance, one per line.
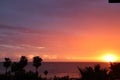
(59, 30)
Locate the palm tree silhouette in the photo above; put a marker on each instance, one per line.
(7, 64)
(37, 62)
(18, 67)
(23, 62)
(93, 73)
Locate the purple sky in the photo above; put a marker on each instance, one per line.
(58, 29)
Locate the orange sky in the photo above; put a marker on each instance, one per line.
(79, 30)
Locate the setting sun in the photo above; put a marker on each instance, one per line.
(110, 58)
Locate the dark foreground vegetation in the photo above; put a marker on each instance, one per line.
(16, 71)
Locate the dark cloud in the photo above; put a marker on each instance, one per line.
(12, 28)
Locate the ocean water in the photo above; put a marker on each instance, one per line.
(60, 68)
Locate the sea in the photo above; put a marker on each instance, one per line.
(60, 69)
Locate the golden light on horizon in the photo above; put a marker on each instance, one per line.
(110, 58)
(31, 56)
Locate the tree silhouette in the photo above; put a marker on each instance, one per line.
(23, 62)
(14, 67)
(114, 71)
(45, 73)
(7, 64)
(37, 62)
(18, 67)
(95, 73)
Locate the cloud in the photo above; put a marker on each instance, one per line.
(10, 46)
(23, 46)
(15, 51)
(31, 47)
(49, 57)
(15, 28)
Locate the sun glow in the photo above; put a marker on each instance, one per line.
(110, 58)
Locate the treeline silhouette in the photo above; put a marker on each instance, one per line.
(16, 71)
(98, 73)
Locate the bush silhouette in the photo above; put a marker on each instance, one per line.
(95, 73)
(114, 71)
(45, 73)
